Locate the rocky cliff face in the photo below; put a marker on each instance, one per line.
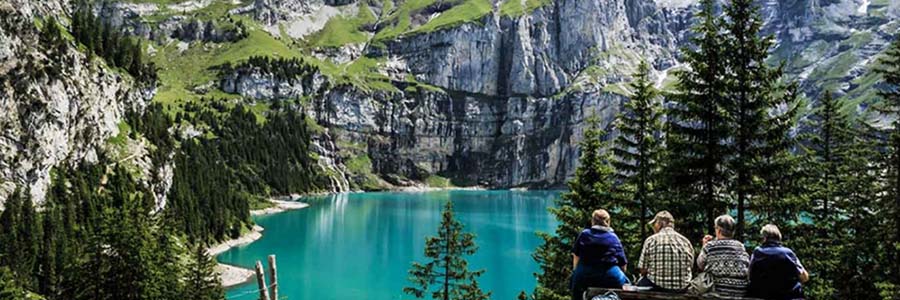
(58, 106)
(129, 18)
(475, 140)
(515, 89)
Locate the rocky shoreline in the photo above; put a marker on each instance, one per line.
(233, 275)
(280, 206)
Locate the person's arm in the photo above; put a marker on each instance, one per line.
(752, 262)
(802, 273)
(576, 251)
(620, 255)
(574, 261)
(642, 261)
(701, 259)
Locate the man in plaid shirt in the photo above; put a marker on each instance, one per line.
(667, 257)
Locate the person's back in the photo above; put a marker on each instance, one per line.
(725, 260)
(775, 271)
(667, 257)
(598, 258)
(599, 246)
(729, 265)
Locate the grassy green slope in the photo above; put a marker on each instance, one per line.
(180, 71)
(514, 8)
(343, 30)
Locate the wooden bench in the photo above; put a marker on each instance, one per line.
(646, 295)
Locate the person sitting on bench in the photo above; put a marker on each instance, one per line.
(775, 271)
(667, 257)
(725, 259)
(598, 258)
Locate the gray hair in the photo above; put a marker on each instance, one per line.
(600, 217)
(771, 233)
(726, 225)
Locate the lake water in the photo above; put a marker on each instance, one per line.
(361, 245)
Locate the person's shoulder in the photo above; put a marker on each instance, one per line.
(758, 249)
(611, 233)
(772, 250)
(733, 244)
(787, 251)
(680, 237)
(652, 239)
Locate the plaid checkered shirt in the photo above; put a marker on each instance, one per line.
(668, 257)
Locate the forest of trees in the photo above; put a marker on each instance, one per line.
(103, 40)
(99, 235)
(732, 142)
(281, 68)
(97, 238)
(239, 160)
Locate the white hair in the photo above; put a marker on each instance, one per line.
(771, 233)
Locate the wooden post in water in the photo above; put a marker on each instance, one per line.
(261, 281)
(274, 275)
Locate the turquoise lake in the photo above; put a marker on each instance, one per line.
(360, 245)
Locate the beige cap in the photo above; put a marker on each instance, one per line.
(663, 216)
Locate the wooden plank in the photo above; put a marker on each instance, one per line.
(646, 295)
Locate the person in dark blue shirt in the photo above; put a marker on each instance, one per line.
(598, 257)
(775, 271)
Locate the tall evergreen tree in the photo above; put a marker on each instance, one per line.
(828, 142)
(590, 189)
(20, 237)
(698, 128)
(752, 88)
(638, 150)
(890, 94)
(860, 234)
(830, 138)
(446, 275)
(202, 282)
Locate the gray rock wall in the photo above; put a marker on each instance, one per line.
(57, 107)
(472, 139)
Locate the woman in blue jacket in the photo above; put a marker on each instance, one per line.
(598, 257)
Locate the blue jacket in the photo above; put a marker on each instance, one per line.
(599, 246)
(775, 273)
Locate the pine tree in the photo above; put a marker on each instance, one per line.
(698, 128)
(137, 61)
(831, 136)
(752, 95)
(202, 282)
(48, 277)
(827, 144)
(446, 275)
(861, 236)
(29, 239)
(638, 150)
(10, 289)
(19, 236)
(779, 194)
(590, 189)
(890, 94)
